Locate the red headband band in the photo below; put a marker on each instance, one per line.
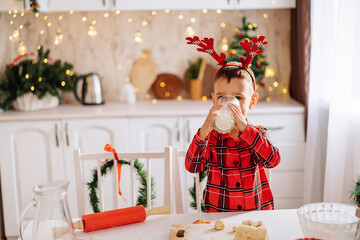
(251, 49)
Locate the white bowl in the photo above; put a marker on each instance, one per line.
(329, 221)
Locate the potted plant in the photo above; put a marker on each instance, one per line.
(195, 74)
(355, 196)
(35, 84)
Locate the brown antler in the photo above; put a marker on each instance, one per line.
(207, 45)
(252, 49)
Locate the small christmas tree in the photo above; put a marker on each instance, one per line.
(39, 77)
(259, 64)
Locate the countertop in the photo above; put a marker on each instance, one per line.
(165, 108)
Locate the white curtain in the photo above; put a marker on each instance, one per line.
(332, 162)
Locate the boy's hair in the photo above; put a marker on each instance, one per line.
(230, 72)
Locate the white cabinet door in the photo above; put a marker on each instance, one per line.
(264, 4)
(202, 4)
(6, 5)
(78, 5)
(154, 134)
(141, 4)
(30, 154)
(90, 136)
(191, 126)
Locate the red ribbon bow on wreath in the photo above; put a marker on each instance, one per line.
(109, 148)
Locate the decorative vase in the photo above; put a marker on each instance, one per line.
(195, 89)
(30, 102)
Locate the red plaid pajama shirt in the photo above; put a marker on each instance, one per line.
(236, 179)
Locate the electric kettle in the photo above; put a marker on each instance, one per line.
(89, 93)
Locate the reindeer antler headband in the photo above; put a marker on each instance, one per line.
(251, 49)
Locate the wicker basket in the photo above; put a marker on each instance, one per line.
(30, 102)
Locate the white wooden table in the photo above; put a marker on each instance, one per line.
(281, 225)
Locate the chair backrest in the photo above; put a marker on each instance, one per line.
(167, 155)
(182, 154)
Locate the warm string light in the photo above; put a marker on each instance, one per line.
(138, 37)
(92, 31)
(190, 32)
(22, 49)
(59, 37)
(224, 45)
(269, 72)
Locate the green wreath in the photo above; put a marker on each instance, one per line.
(106, 169)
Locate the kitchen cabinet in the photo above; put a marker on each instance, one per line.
(38, 147)
(104, 5)
(30, 154)
(287, 132)
(46, 147)
(7, 5)
(78, 5)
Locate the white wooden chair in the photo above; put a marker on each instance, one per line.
(182, 154)
(169, 182)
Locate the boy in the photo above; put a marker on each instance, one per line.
(235, 161)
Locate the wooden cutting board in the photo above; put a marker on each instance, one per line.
(143, 74)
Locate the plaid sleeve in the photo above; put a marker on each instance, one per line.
(197, 155)
(257, 138)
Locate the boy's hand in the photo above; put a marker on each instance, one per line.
(240, 120)
(207, 127)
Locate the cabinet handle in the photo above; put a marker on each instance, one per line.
(103, 2)
(188, 130)
(274, 128)
(67, 134)
(56, 135)
(228, 2)
(114, 3)
(177, 131)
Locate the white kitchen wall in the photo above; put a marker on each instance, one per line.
(164, 34)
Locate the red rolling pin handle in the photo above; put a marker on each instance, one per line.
(113, 218)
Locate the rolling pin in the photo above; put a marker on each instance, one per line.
(113, 218)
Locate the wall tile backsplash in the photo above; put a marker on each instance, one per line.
(111, 52)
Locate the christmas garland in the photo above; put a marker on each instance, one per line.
(106, 169)
(192, 192)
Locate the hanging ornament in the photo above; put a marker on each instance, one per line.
(138, 37)
(58, 37)
(22, 49)
(92, 31)
(262, 84)
(240, 35)
(258, 64)
(34, 6)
